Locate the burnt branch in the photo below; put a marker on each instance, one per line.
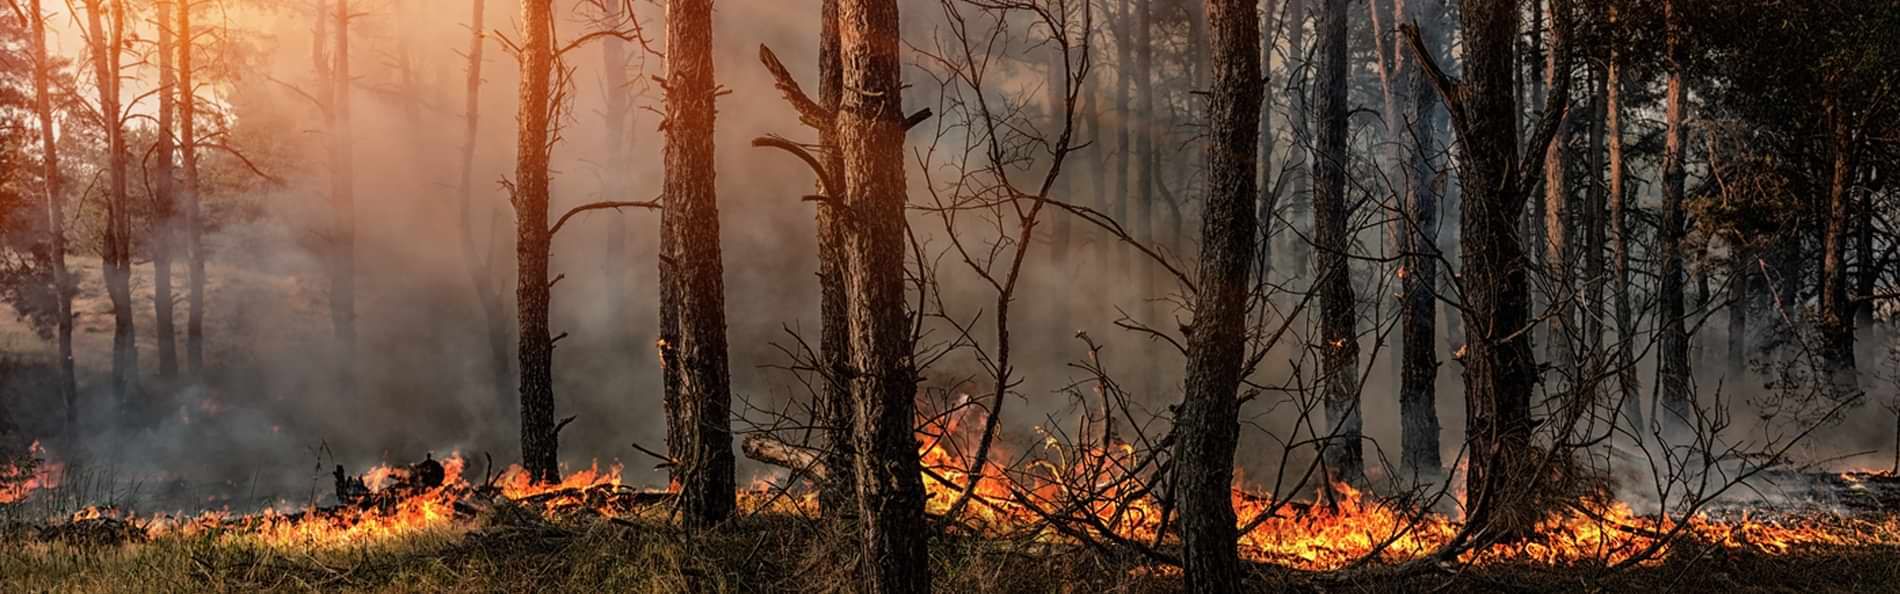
(653, 204)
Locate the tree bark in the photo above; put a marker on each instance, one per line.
(1629, 399)
(55, 218)
(1672, 365)
(1500, 370)
(870, 137)
(1339, 340)
(194, 213)
(1837, 316)
(837, 494)
(704, 464)
(164, 228)
(1209, 424)
(1556, 221)
(1418, 396)
(539, 442)
(117, 252)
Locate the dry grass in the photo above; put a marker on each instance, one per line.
(781, 554)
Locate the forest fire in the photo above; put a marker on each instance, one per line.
(39, 472)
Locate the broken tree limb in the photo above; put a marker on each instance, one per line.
(809, 112)
(799, 460)
(558, 223)
(834, 187)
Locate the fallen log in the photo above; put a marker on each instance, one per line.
(800, 460)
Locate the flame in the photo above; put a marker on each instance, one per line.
(46, 474)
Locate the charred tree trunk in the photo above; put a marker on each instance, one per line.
(1593, 232)
(539, 441)
(1418, 396)
(1672, 364)
(194, 214)
(1209, 423)
(834, 343)
(117, 252)
(1339, 340)
(704, 462)
(55, 217)
(1500, 370)
(164, 226)
(1837, 317)
(870, 134)
(1629, 398)
(479, 260)
(343, 200)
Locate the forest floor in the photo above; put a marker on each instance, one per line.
(782, 554)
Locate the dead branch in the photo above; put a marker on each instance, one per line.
(653, 204)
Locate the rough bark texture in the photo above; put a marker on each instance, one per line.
(117, 251)
(188, 189)
(539, 443)
(704, 464)
(164, 230)
(55, 216)
(870, 135)
(1672, 359)
(1837, 323)
(1628, 399)
(343, 201)
(1557, 223)
(1500, 370)
(1339, 341)
(834, 341)
(1418, 396)
(1209, 424)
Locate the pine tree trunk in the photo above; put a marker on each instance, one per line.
(164, 229)
(539, 442)
(1209, 424)
(55, 218)
(1837, 317)
(1418, 396)
(1125, 120)
(480, 261)
(705, 465)
(117, 252)
(617, 115)
(194, 213)
(1556, 221)
(1500, 369)
(838, 494)
(1339, 342)
(343, 201)
(870, 137)
(1629, 399)
(1672, 366)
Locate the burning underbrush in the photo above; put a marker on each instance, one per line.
(1056, 498)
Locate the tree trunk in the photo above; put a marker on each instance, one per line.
(1268, 201)
(1124, 256)
(55, 218)
(117, 252)
(1300, 118)
(1500, 370)
(1837, 323)
(343, 200)
(870, 137)
(1593, 231)
(1144, 224)
(1339, 341)
(704, 466)
(539, 441)
(837, 495)
(194, 214)
(618, 116)
(1741, 299)
(1629, 399)
(1556, 221)
(479, 260)
(1209, 424)
(164, 228)
(1672, 365)
(1418, 396)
